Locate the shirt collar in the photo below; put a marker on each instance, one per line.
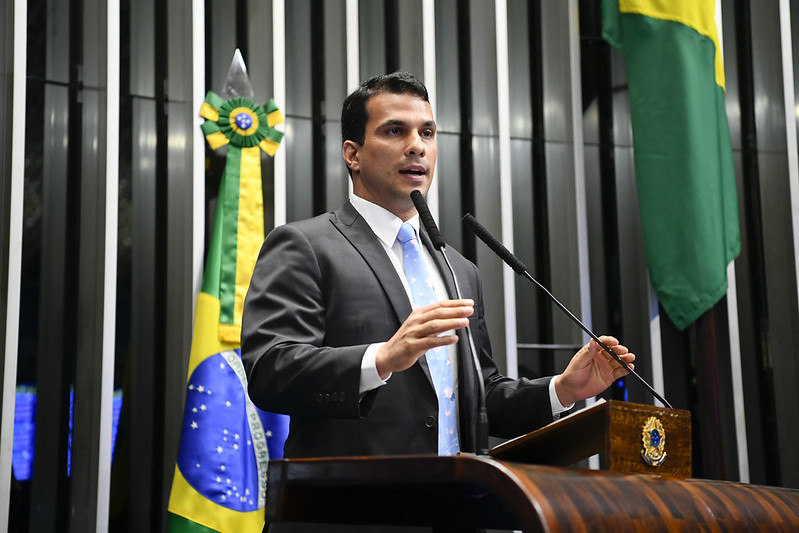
(384, 223)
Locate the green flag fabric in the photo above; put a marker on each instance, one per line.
(681, 143)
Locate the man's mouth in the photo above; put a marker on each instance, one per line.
(413, 171)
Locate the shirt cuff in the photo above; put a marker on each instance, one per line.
(557, 407)
(370, 379)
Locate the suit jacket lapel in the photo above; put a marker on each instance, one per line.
(360, 235)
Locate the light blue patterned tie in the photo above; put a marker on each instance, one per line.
(423, 293)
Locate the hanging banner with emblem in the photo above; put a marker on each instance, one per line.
(219, 483)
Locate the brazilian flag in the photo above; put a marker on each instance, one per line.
(681, 144)
(226, 442)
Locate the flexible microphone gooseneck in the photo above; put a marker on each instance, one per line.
(520, 268)
(438, 243)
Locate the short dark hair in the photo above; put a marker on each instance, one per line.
(353, 112)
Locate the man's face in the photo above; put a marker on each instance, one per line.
(398, 153)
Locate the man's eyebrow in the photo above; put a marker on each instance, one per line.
(400, 122)
(394, 122)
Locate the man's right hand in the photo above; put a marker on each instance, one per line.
(422, 331)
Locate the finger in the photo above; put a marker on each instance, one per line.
(402, 351)
(433, 328)
(614, 362)
(418, 347)
(623, 370)
(457, 303)
(429, 315)
(609, 340)
(624, 357)
(444, 304)
(616, 349)
(447, 312)
(427, 343)
(434, 312)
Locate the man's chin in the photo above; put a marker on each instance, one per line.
(422, 186)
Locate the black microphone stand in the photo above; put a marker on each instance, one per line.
(520, 268)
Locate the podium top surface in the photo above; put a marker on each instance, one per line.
(469, 491)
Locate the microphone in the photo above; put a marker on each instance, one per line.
(427, 220)
(520, 268)
(438, 243)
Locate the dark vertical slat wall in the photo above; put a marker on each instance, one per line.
(52, 356)
(466, 176)
(597, 107)
(768, 320)
(133, 471)
(780, 257)
(318, 194)
(539, 199)
(391, 24)
(448, 122)
(64, 232)
(162, 231)
(480, 145)
(335, 80)
(85, 442)
(751, 226)
(410, 39)
(299, 110)
(521, 146)
(6, 109)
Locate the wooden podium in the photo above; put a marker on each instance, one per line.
(613, 430)
(469, 491)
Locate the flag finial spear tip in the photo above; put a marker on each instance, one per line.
(237, 83)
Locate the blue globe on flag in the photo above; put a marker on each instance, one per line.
(223, 453)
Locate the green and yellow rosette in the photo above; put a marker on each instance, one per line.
(246, 128)
(241, 122)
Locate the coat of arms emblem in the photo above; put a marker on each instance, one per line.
(654, 438)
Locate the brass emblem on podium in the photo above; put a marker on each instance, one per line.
(654, 437)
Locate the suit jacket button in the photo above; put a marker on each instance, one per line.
(430, 421)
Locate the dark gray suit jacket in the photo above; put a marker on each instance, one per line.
(323, 289)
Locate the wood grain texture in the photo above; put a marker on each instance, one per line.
(611, 429)
(470, 491)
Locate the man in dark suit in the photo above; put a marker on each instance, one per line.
(330, 336)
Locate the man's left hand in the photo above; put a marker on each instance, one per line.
(592, 370)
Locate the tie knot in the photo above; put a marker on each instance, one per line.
(406, 233)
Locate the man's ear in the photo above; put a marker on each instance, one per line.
(349, 151)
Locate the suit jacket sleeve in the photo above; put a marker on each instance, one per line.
(290, 368)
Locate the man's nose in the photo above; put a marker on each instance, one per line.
(416, 145)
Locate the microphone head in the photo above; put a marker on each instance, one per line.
(426, 218)
(492, 242)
